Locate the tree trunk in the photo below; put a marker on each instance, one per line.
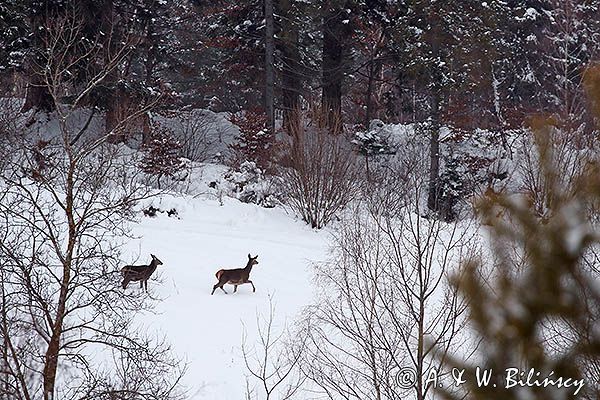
(420, 342)
(116, 112)
(150, 64)
(52, 353)
(433, 195)
(269, 65)
(332, 66)
(373, 70)
(434, 155)
(291, 74)
(4, 371)
(117, 99)
(37, 95)
(146, 123)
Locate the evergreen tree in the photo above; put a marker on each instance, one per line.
(13, 34)
(338, 28)
(231, 58)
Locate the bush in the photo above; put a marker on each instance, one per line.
(162, 154)
(249, 184)
(255, 143)
(375, 140)
(322, 175)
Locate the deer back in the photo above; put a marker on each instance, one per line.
(233, 275)
(139, 272)
(237, 274)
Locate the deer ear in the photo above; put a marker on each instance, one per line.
(152, 255)
(249, 256)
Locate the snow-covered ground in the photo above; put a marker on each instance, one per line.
(207, 330)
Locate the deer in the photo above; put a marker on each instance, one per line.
(139, 273)
(235, 277)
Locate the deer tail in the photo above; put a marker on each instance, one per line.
(218, 274)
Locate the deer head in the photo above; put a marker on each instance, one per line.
(156, 260)
(252, 260)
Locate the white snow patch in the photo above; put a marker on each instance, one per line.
(207, 330)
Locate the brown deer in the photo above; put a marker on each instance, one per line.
(139, 273)
(235, 277)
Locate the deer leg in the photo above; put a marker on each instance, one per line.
(125, 283)
(146, 285)
(218, 285)
(235, 288)
(141, 284)
(253, 288)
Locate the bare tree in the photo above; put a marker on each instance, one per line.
(561, 148)
(274, 363)
(197, 132)
(384, 308)
(66, 203)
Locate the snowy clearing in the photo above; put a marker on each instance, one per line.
(207, 330)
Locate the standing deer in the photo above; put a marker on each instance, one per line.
(139, 273)
(235, 277)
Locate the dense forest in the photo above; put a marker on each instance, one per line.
(469, 65)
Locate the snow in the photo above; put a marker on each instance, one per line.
(207, 330)
(530, 14)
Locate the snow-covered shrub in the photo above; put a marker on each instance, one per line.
(250, 184)
(558, 146)
(202, 133)
(196, 136)
(375, 140)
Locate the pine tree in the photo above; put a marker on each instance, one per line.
(231, 58)
(338, 27)
(14, 39)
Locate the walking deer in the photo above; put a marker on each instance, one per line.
(139, 273)
(235, 277)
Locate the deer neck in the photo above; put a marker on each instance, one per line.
(248, 268)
